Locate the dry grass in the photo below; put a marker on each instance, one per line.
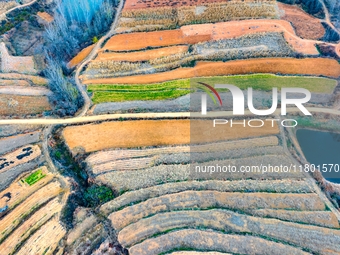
(275, 186)
(14, 83)
(45, 17)
(209, 240)
(141, 55)
(222, 220)
(131, 134)
(23, 105)
(29, 226)
(113, 155)
(308, 66)
(207, 199)
(22, 211)
(147, 19)
(31, 78)
(323, 218)
(45, 240)
(80, 56)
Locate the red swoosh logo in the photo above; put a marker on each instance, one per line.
(213, 90)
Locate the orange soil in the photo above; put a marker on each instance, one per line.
(136, 41)
(306, 26)
(45, 16)
(13, 83)
(130, 134)
(205, 32)
(80, 56)
(142, 55)
(23, 105)
(141, 4)
(308, 66)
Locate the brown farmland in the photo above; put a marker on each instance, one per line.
(80, 56)
(205, 32)
(308, 66)
(23, 105)
(130, 134)
(142, 55)
(141, 4)
(306, 26)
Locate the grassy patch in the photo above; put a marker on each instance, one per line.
(173, 89)
(121, 93)
(267, 81)
(97, 195)
(35, 177)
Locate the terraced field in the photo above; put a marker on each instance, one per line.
(21, 93)
(168, 203)
(31, 196)
(156, 15)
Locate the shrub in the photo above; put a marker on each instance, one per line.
(97, 195)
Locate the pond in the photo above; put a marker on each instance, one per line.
(323, 150)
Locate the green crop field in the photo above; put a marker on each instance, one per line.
(173, 89)
(34, 177)
(268, 81)
(121, 93)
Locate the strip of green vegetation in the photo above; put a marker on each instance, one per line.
(176, 84)
(35, 177)
(173, 89)
(120, 93)
(267, 81)
(109, 96)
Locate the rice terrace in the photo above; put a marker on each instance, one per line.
(105, 148)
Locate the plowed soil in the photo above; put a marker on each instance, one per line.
(308, 66)
(80, 56)
(131, 134)
(205, 32)
(141, 4)
(142, 55)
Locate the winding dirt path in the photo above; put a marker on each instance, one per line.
(17, 7)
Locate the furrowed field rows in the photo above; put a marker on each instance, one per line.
(133, 4)
(132, 134)
(183, 158)
(212, 241)
(20, 156)
(160, 18)
(30, 78)
(14, 83)
(29, 226)
(319, 239)
(25, 91)
(10, 143)
(22, 211)
(45, 240)
(322, 218)
(19, 191)
(274, 186)
(142, 55)
(198, 33)
(107, 156)
(260, 45)
(202, 200)
(310, 66)
(137, 179)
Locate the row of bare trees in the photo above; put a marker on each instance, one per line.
(75, 23)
